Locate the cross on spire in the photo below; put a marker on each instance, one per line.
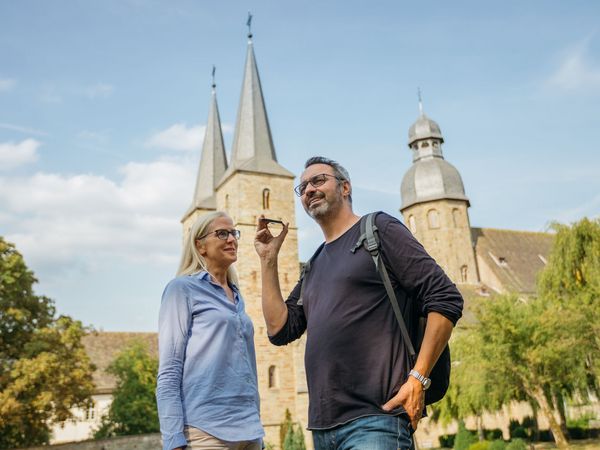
(249, 25)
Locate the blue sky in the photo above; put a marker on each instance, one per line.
(103, 104)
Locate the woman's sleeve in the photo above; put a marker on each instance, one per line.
(174, 321)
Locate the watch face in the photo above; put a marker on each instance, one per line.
(426, 383)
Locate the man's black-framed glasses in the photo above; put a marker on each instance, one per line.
(315, 181)
(223, 234)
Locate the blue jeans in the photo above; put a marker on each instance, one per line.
(367, 433)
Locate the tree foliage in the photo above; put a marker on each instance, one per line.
(44, 369)
(291, 435)
(540, 348)
(133, 408)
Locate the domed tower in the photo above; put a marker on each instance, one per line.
(434, 204)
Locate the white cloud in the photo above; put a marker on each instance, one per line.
(16, 154)
(577, 71)
(7, 84)
(60, 222)
(179, 137)
(99, 90)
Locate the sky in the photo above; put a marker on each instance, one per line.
(103, 107)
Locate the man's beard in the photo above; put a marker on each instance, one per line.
(327, 206)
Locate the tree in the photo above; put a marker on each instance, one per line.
(133, 409)
(285, 426)
(44, 369)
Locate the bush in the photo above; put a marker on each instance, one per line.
(516, 444)
(498, 444)
(492, 435)
(481, 445)
(519, 433)
(447, 440)
(464, 438)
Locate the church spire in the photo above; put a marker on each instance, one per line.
(213, 161)
(253, 149)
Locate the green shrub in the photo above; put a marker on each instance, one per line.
(493, 434)
(498, 444)
(481, 445)
(464, 438)
(516, 444)
(447, 440)
(519, 433)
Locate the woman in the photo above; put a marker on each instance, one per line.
(207, 391)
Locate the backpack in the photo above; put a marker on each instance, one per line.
(369, 239)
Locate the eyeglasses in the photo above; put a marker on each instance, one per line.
(315, 181)
(223, 234)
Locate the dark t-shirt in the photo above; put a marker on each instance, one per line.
(355, 358)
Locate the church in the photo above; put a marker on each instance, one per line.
(433, 203)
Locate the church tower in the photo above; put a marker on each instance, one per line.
(254, 183)
(434, 204)
(213, 164)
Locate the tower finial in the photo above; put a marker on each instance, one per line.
(214, 69)
(420, 101)
(249, 25)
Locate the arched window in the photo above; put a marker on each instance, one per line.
(463, 274)
(273, 382)
(266, 196)
(456, 217)
(412, 224)
(433, 218)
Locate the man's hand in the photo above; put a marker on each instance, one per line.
(412, 398)
(267, 246)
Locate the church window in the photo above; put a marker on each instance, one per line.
(425, 144)
(463, 274)
(266, 198)
(273, 381)
(412, 224)
(436, 144)
(456, 217)
(434, 218)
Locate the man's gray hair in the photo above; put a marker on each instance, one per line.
(338, 170)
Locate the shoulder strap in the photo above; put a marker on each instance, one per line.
(305, 271)
(369, 239)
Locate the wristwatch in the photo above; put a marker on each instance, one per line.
(426, 382)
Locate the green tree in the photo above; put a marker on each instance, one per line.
(285, 426)
(44, 369)
(294, 439)
(133, 409)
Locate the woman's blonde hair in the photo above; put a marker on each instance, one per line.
(191, 260)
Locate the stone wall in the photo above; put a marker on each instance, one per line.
(140, 442)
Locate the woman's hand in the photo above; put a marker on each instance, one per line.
(267, 246)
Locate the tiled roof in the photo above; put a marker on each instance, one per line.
(103, 347)
(514, 257)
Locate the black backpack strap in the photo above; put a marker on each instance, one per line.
(369, 239)
(305, 271)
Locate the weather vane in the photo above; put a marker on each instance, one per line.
(249, 24)
(214, 85)
(420, 100)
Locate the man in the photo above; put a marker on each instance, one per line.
(361, 395)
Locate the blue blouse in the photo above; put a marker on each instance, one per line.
(207, 365)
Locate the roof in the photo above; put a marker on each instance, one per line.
(514, 257)
(213, 162)
(424, 128)
(253, 149)
(103, 347)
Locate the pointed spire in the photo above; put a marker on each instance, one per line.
(253, 149)
(213, 161)
(420, 101)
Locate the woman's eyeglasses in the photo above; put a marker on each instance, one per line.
(223, 234)
(315, 181)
